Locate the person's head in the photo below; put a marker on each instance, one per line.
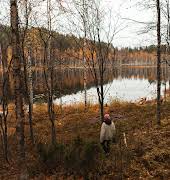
(107, 119)
(106, 116)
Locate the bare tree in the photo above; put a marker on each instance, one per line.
(25, 5)
(158, 113)
(50, 74)
(5, 68)
(89, 25)
(99, 59)
(30, 90)
(5, 99)
(84, 21)
(48, 66)
(158, 24)
(18, 83)
(81, 12)
(168, 32)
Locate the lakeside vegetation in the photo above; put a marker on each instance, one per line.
(78, 153)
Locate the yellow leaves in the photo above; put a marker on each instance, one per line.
(33, 37)
(87, 54)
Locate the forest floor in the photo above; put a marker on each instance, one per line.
(147, 155)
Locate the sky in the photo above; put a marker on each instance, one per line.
(135, 17)
(127, 11)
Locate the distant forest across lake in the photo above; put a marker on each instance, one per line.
(66, 50)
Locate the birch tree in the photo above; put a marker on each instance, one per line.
(18, 81)
(48, 66)
(50, 74)
(25, 5)
(95, 50)
(158, 113)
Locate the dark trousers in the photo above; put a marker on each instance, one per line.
(106, 146)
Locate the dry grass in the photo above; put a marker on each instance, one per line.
(148, 150)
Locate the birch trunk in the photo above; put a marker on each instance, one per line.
(30, 89)
(158, 112)
(50, 75)
(18, 81)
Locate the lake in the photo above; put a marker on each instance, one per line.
(124, 89)
(125, 84)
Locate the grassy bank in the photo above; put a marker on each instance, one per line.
(78, 152)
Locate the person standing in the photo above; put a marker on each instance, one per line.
(107, 133)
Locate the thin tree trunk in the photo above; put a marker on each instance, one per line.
(61, 85)
(158, 113)
(168, 25)
(85, 82)
(84, 58)
(102, 111)
(168, 37)
(102, 92)
(27, 90)
(168, 30)
(50, 78)
(5, 90)
(30, 101)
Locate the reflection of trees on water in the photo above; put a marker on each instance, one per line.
(72, 81)
(73, 78)
(141, 73)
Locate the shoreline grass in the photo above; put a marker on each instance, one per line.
(147, 142)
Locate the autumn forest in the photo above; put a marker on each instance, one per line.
(85, 89)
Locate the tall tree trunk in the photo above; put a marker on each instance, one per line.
(85, 80)
(50, 75)
(30, 94)
(168, 26)
(84, 58)
(5, 95)
(26, 73)
(61, 84)
(158, 113)
(102, 110)
(18, 83)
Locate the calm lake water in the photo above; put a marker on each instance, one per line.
(125, 84)
(123, 89)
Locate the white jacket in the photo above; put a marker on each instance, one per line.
(107, 131)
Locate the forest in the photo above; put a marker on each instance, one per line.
(85, 89)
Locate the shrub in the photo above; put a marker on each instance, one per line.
(79, 158)
(51, 155)
(73, 155)
(33, 170)
(82, 157)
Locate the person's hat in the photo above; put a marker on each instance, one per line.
(107, 116)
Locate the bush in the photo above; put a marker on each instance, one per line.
(51, 155)
(82, 157)
(79, 158)
(33, 170)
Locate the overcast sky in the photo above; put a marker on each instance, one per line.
(131, 36)
(125, 9)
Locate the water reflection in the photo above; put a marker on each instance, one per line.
(124, 83)
(123, 89)
(127, 84)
